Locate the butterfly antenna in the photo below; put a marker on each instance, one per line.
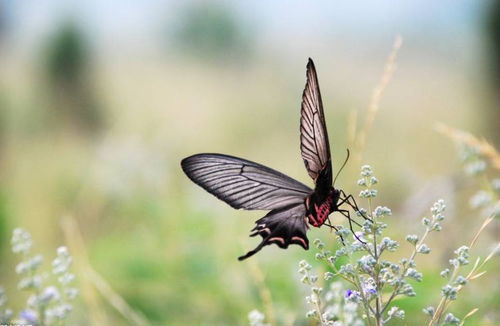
(345, 162)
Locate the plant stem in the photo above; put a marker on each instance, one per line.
(318, 309)
(405, 268)
(40, 308)
(442, 303)
(368, 308)
(378, 313)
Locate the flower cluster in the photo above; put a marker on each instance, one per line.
(337, 306)
(362, 283)
(46, 304)
(5, 313)
(256, 318)
(374, 282)
(473, 162)
(455, 282)
(476, 165)
(485, 199)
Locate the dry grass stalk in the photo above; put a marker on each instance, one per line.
(92, 281)
(390, 67)
(463, 137)
(445, 303)
(75, 243)
(264, 292)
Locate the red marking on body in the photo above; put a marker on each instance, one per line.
(322, 211)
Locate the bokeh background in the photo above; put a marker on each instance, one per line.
(100, 100)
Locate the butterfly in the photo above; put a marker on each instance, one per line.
(293, 206)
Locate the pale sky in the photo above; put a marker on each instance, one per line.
(142, 24)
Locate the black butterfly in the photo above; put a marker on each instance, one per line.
(252, 186)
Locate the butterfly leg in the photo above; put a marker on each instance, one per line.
(348, 215)
(343, 200)
(354, 206)
(330, 222)
(336, 230)
(349, 200)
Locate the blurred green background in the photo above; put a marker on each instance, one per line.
(100, 100)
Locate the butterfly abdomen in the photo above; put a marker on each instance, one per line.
(318, 211)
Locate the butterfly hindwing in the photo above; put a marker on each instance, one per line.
(244, 184)
(282, 227)
(314, 145)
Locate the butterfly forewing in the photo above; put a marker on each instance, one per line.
(244, 184)
(314, 145)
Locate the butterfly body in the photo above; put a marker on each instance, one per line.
(292, 206)
(318, 209)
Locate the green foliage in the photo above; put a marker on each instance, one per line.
(67, 66)
(169, 250)
(47, 304)
(3, 193)
(493, 33)
(3, 220)
(67, 56)
(212, 31)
